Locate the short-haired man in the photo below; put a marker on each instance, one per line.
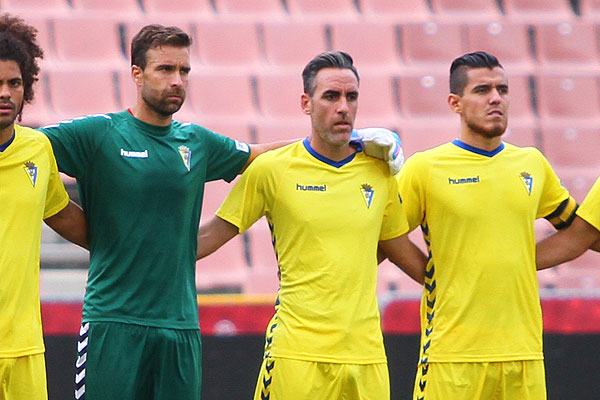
(30, 191)
(329, 206)
(476, 200)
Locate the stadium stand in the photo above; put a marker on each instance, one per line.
(559, 96)
(177, 10)
(279, 95)
(466, 10)
(397, 11)
(124, 8)
(225, 270)
(323, 10)
(36, 8)
(251, 10)
(572, 144)
(539, 10)
(378, 104)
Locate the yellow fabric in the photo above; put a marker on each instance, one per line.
(30, 190)
(477, 212)
(590, 207)
(326, 223)
(23, 378)
(510, 380)
(282, 378)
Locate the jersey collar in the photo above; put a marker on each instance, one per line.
(336, 164)
(485, 153)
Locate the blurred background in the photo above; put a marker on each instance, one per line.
(247, 59)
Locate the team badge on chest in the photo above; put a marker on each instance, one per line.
(186, 156)
(31, 171)
(527, 181)
(367, 192)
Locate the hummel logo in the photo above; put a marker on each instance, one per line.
(82, 345)
(134, 154)
(460, 181)
(311, 188)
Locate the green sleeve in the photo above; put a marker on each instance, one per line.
(75, 140)
(227, 156)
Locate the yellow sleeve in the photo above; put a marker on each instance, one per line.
(56, 196)
(247, 201)
(411, 186)
(556, 205)
(590, 207)
(394, 218)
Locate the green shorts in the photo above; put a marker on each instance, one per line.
(134, 362)
(507, 380)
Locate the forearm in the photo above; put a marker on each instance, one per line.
(406, 255)
(70, 223)
(213, 234)
(258, 149)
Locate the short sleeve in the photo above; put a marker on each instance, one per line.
(227, 156)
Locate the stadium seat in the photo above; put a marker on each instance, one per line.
(590, 10)
(425, 134)
(390, 278)
(262, 253)
(432, 46)
(78, 92)
(578, 180)
(509, 41)
(38, 113)
(235, 129)
(521, 112)
(44, 37)
(225, 270)
(214, 194)
(291, 45)
(559, 96)
(185, 10)
(378, 103)
(571, 144)
(568, 46)
(322, 10)
(580, 273)
(372, 45)
(271, 130)
(398, 11)
(251, 10)
(108, 8)
(424, 95)
(538, 10)
(279, 95)
(222, 95)
(522, 136)
(38, 8)
(88, 41)
(261, 282)
(228, 46)
(466, 10)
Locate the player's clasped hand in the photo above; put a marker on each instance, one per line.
(381, 143)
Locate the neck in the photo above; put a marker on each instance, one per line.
(6, 133)
(142, 112)
(333, 152)
(487, 143)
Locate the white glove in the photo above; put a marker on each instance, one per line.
(381, 143)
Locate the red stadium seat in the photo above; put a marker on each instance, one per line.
(292, 44)
(256, 9)
(262, 253)
(214, 194)
(38, 113)
(559, 96)
(177, 9)
(426, 134)
(231, 46)
(45, 8)
(424, 95)
(235, 129)
(78, 92)
(261, 282)
(571, 144)
(521, 101)
(93, 42)
(279, 95)
(539, 10)
(323, 10)
(522, 136)
(44, 37)
(371, 44)
(509, 41)
(432, 45)
(124, 8)
(578, 180)
(568, 46)
(466, 10)
(590, 10)
(398, 11)
(270, 130)
(377, 100)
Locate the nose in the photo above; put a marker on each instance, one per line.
(5, 91)
(343, 106)
(495, 96)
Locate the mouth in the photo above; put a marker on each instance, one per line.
(495, 113)
(6, 108)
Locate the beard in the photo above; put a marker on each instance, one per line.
(159, 103)
(495, 131)
(5, 123)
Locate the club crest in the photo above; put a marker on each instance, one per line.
(32, 171)
(186, 156)
(367, 192)
(527, 181)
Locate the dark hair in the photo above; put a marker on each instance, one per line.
(330, 59)
(18, 43)
(151, 36)
(460, 66)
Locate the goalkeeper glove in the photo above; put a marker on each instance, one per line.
(381, 143)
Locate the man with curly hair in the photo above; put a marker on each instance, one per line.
(30, 191)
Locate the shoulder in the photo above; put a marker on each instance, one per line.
(89, 121)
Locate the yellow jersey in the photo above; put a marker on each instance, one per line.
(30, 191)
(477, 211)
(326, 220)
(590, 207)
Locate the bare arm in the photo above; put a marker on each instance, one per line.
(214, 234)
(70, 223)
(567, 244)
(258, 149)
(406, 255)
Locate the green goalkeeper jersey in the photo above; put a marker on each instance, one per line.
(141, 188)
